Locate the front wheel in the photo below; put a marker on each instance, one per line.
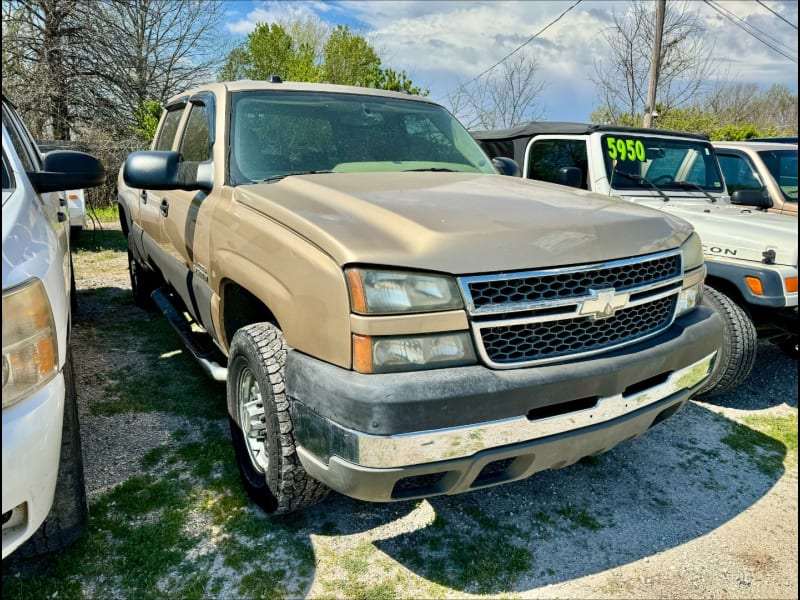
(261, 425)
(736, 357)
(68, 516)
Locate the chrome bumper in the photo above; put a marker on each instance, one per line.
(422, 447)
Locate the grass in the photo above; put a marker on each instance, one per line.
(105, 214)
(769, 442)
(148, 537)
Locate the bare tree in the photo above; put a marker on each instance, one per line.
(41, 56)
(148, 50)
(505, 97)
(684, 65)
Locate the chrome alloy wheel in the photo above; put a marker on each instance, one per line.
(252, 419)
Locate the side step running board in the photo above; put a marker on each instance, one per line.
(196, 338)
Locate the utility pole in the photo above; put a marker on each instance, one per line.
(655, 64)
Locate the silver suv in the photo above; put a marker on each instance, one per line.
(44, 501)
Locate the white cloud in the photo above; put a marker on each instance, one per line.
(444, 43)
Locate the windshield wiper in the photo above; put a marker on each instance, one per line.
(275, 178)
(640, 179)
(434, 169)
(693, 186)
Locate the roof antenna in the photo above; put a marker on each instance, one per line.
(274, 79)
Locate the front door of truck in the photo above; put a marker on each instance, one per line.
(184, 268)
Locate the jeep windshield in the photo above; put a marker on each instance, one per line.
(667, 163)
(276, 134)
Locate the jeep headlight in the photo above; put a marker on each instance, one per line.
(694, 273)
(379, 292)
(30, 343)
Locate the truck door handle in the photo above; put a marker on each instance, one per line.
(164, 207)
(144, 196)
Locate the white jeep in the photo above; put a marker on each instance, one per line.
(751, 255)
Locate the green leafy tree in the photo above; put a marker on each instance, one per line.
(147, 116)
(399, 82)
(309, 51)
(350, 60)
(270, 50)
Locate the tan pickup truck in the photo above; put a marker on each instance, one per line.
(768, 169)
(394, 319)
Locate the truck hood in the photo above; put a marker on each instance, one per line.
(459, 223)
(733, 232)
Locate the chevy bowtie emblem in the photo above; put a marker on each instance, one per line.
(603, 303)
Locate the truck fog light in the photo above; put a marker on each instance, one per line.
(411, 353)
(754, 283)
(692, 292)
(689, 299)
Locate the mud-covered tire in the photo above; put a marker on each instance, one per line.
(143, 282)
(737, 355)
(261, 424)
(67, 519)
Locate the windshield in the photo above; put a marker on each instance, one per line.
(274, 134)
(782, 164)
(669, 164)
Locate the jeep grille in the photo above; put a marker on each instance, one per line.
(521, 319)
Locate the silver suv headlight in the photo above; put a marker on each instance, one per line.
(694, 274)
(30, 342)
(378, 292)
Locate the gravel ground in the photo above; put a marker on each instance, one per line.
(682, 515)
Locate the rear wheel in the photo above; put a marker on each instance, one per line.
(261, 425)
(736, 357)
(69, 514)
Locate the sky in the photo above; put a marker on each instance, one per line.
(443, 44)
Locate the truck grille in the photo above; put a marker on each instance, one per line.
(521, 319)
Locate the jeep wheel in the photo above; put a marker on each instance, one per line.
(143, 282)
(737, 355)
(68, 516)
(261, 426)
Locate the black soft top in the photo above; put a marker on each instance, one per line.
(569, 128)
(512, 142)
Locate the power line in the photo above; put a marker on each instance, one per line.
(747, 28)
(780, 16)
(515, 50)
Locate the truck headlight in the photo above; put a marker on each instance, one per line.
(388, 354)
(378, 292)
(30, 343)
(694, 273)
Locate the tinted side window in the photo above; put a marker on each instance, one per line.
(548, 156)
(738, 173)
(196, 145)
(166, 134)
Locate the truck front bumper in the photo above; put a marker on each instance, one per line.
(406, 435)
